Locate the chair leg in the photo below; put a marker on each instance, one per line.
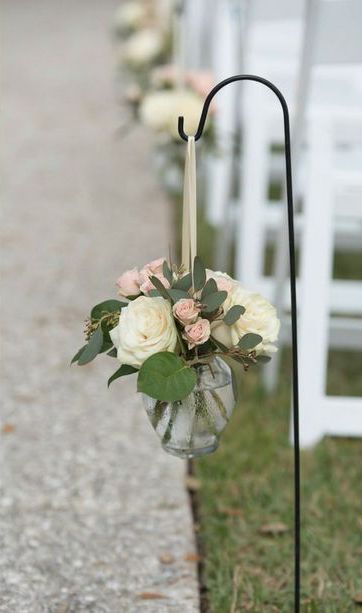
(316, 268)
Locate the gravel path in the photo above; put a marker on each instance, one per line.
(93, 514)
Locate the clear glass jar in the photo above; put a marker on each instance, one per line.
(191, 427)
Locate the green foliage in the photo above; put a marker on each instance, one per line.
(112, 353)
(199, 274)
(211, 302)
(184, 282)
(177, 294)
(167, 273)
(165, 376)
(234, 314)
(93, 347)
(78, 354)
(160, 287)
(209, 288)
(249, 341)
(108, 306)
(122, 371)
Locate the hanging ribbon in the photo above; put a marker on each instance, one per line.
(189, 214)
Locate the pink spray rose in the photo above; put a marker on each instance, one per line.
(129, 283)
(186, 311)
(153, 268)
(147, 285)
(197, 333)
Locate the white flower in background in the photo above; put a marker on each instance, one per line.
(160, 110)
(146, 326)
(142, 48)
(130, 15)
(260, 317)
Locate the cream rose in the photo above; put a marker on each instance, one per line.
(130, 15)
(143, 47)
(160, 110)
(186, 311)
(197, 333)
(260, 317)
(146, 326)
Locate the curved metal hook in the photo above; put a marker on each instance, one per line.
(293, 295)
(217, 88)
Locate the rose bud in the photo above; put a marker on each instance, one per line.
(186, 311)
(197, 333)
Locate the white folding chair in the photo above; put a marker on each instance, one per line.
(327, 180)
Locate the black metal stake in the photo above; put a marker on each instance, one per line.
(293, 296)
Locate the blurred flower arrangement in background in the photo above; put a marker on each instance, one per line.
(157, 91)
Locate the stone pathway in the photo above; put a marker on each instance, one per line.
(91, 508)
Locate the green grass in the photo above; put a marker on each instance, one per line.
(248, 483)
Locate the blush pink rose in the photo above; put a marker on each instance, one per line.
(153, 268)
(186, 311)
(147, 285)
(197, 333)
(129, 283)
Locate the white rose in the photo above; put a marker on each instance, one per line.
(143, 47)
(160, 110)
(260, 317)
(130, 15)
(146, 326)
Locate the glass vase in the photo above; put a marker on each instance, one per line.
(191, 427)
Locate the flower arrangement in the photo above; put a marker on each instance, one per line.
(174, 321)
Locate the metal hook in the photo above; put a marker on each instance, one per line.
(214, 91)
(293, 295)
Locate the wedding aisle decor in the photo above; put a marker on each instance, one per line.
(179, 327)
(142, 41)
(156, 92)
(171, 95)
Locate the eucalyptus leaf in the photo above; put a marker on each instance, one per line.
(167, 273)
(124, 370)
(93, 348)
(108, 306)
(233, 314)
(165, 376)
(177, 294)
(184, 283)
(199, 274)
(78, 354)
(249, 341)
(107, 345)
(160, 287)
(154, 293)
(211, 302)
(210, 288)
(263, 359)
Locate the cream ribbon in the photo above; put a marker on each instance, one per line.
(189, 214)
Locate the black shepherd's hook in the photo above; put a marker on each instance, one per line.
(293, 294)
